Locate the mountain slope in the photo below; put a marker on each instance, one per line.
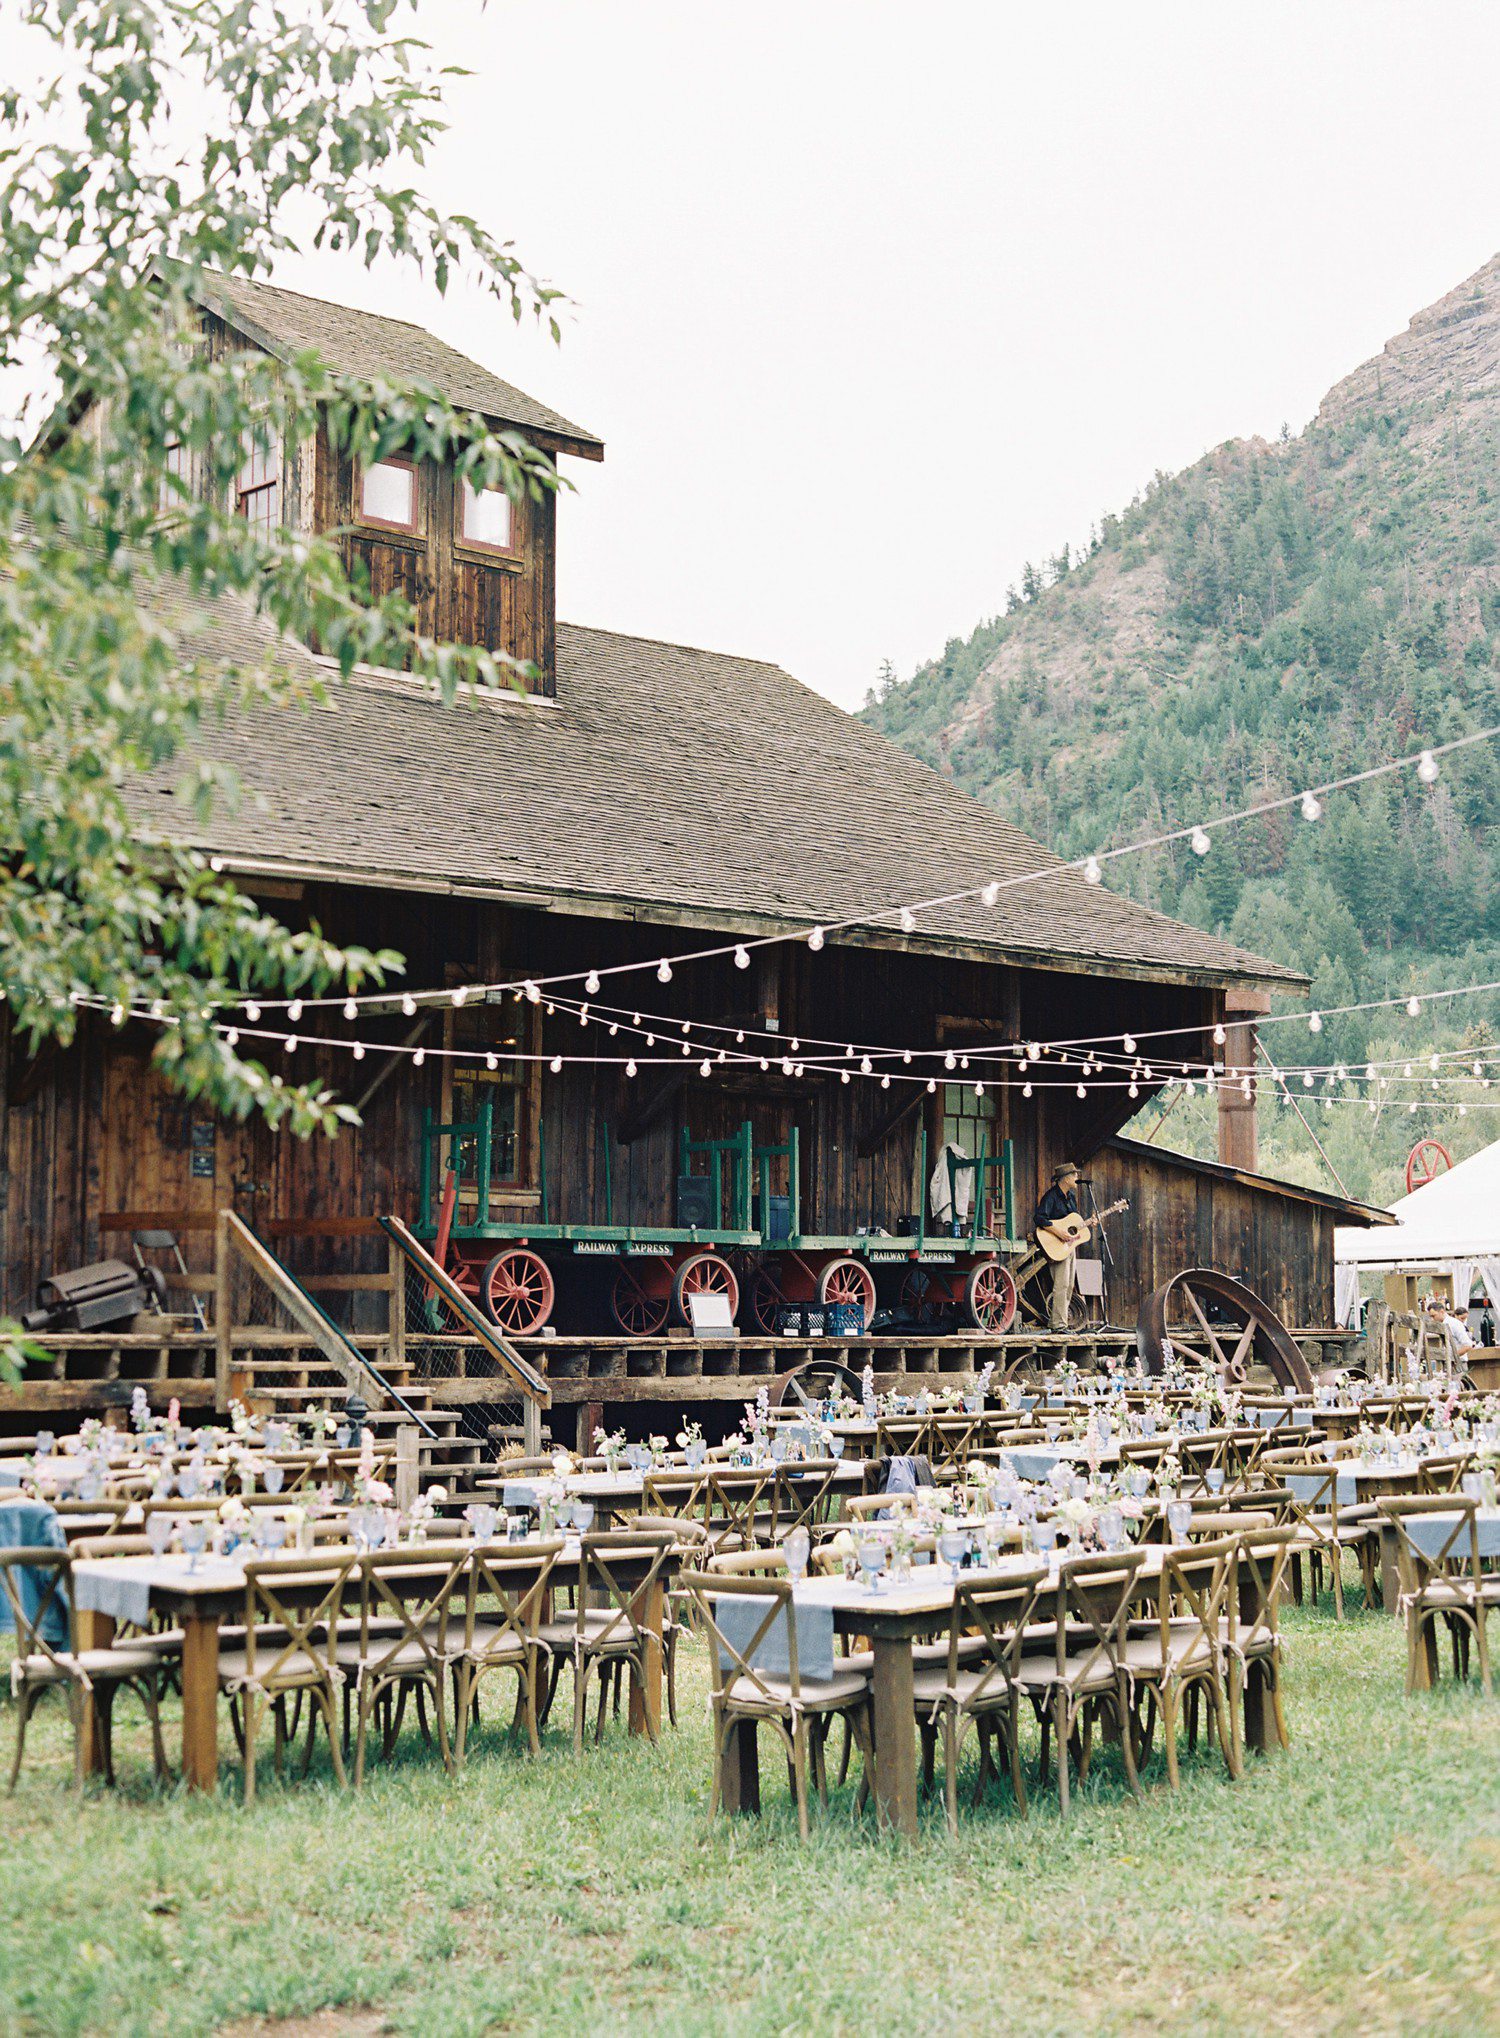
(1276, 615)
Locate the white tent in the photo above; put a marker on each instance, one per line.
(1451, 1223)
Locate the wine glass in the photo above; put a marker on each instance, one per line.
(583, 1516)
(1213, 1478)
(159, 1531)
(1179, 1519)
(872, 1554)
(275, 1533)
(273, 1478)
(195, 1539)
(46, 1443)
(482, 1520)
(1111, 1528)
(952, 1544)
(1044, 1537)
(797, 1548)
(835, 1446)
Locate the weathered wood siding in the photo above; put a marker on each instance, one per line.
(1181, 1216)
(94, 1130)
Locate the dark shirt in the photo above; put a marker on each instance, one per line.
(1055, 1204)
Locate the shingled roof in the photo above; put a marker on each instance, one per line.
(682, 785)
(364, 343)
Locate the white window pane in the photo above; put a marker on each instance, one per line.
(387, 493)
(487, 516)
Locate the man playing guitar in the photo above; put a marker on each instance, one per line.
(1060, 1231)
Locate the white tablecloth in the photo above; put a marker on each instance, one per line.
(122, 1586)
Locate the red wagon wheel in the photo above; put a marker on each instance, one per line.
(852, 1282)
(923, 1296)
(1428, 1159)
(989, 1298)
(635, 1309)
(516, 1291)
(703, 1274)
(766, 1301)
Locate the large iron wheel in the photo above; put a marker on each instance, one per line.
(850, 1282)
(636, 1310)
(703, 1274)
(812, 1382)
(1246, 1327)
(516, 1291)
(989, 1298)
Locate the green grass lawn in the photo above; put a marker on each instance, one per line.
(1351, 1886)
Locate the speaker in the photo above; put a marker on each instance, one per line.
(695, 1209)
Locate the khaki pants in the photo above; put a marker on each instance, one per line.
(1062, 1291)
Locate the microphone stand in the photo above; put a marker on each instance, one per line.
(1106, 1256)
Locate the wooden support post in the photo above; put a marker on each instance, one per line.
(531, 1426)
(396, 1260)
(223, 1312)
(406, 1467)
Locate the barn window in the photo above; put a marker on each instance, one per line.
(258, 491)
(487, 518)
(177, 469)
(388, 494)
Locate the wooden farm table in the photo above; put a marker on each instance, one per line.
(894, 1616)
(616, 1493)
(200, 1597)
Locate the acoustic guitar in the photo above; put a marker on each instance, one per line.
(1070, 1232)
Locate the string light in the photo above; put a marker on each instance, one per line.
(1315, 1022)
(359, 1050)
(1200, 842)
(664, 971)
(1414, 1008)
(630, 1068)
(991, 893)
(1128, 1044)
(419, 1057)
(1312, 807)
(252, 1013)
(908, 920)
(458, 996)
(1093, 873)
(294, 1010)
(815, 939)
(409, 1006)
(742, 957)
(289, 1045)
(351, 1010)
(591, 983)
(1427, 768)
(556, 1064)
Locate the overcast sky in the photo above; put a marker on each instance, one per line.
(873, 302)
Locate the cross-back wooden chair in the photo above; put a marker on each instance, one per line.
(803, 1495)
(975, 1684)
(38, 1587)
(761, 1674)
(292, 1608)
(507, 1594)
(608, 1630)
(1251, 1635)
(1087, 1670)
(408, 1636)
(1177, 1657)
(1443, 1582)
(1327, 1527)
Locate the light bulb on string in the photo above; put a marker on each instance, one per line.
(614, 1032)
(963, 1061)
(1312, 807)
(359, 1050)
(664, 971)
(583, 1015)
(1093, 873)
(232, 1037)
(1082, 1092)
(931, 1086)
(650, 1040)
(409, 1006)
(906, 1056)
(742, 957)
(796, 1047)
(764, 1065)
(687, 1025)
(1307, 1081)
(1315, 1022)
(1433, 1063)
(294, 1010)
(815, 939)
(786, 1065)
(1200, 842)
(739, 1038)
(885, 1082)
(865, 1065)
(492, 1062)
(950, 1060)
(532, 994)
(1413, 1008)
(1025, 1089)
(843, 1075)
(991, 893)
(591, 983)
(1427, 768)
(1134, 1090)
(549, 1009)
(1128, 1044)
(1220, 1036)
(419, 1057)
(351, 1010)
(705, 1067)
(458, 996)
(252, 1013)
(556, 1064)
(1406, 1069)
(630, 1068)
(289, 1045)
(908, 920)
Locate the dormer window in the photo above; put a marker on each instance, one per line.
(487, 518)
(388, 495)
(258, 491)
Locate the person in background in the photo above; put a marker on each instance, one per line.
(1461, 1339)
(1060, 1201)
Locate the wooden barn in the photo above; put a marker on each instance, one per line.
(644, 801)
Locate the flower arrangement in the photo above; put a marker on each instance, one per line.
(609, 1444)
